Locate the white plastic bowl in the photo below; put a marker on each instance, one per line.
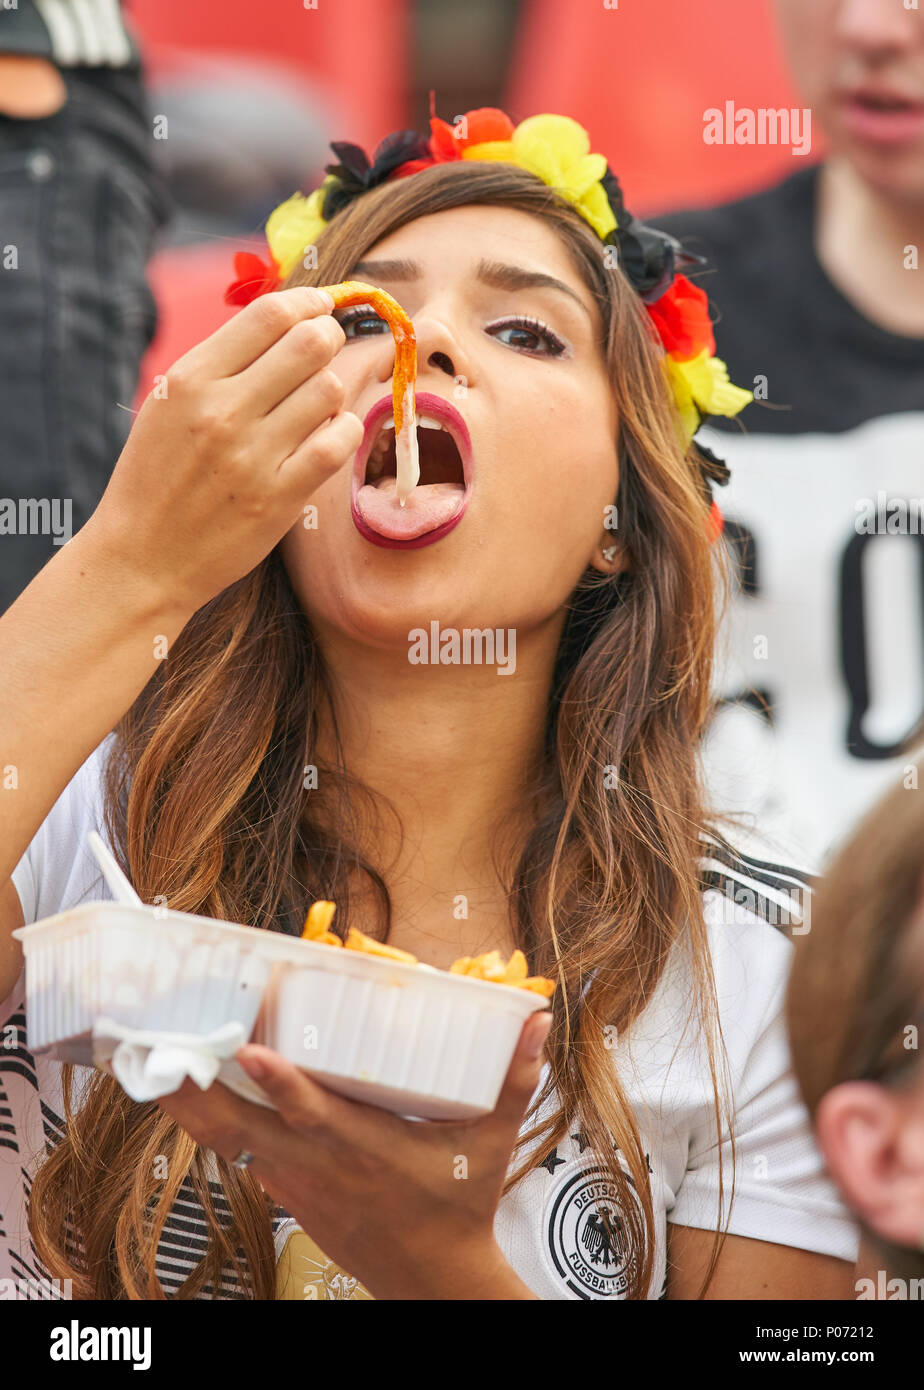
(144, 967)
(411, 1039)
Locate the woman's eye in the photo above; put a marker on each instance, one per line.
(366, 322)
(529, 335)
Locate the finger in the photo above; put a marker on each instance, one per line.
(293, 361)
(522, 1077)
(301, 1102)
(301, 413)
(322, 453)
(246, 336)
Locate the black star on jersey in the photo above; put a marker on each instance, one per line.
(552, 1162)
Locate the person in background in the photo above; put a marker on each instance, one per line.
(855, 1012)
(819, 285)
(81, 203)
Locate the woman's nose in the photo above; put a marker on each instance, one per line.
(443, 361)
(438, 349)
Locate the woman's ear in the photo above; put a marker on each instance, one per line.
(611, 557)
(873, 1142)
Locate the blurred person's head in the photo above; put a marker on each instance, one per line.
(856, 1014)
(860, 65)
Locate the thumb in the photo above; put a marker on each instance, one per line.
(524, 1071)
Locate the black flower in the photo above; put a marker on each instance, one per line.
(714, 469)
(355, 173)
(649, 257)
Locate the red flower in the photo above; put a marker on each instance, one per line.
(446, 144)
(483, 124)
(681, 316)
(253, 278)
(413, 166)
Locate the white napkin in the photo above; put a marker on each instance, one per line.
(148, 1065)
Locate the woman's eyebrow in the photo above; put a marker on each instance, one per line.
(495, 273)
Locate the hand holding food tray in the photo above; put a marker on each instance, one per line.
(157, 996)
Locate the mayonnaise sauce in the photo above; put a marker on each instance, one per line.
(407, 454)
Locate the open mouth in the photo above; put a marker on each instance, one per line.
(440, 460)
(884, 116)
(437, 502)
(873, 102)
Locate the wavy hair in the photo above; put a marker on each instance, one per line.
(206, 804)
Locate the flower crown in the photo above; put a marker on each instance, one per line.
(557, 150)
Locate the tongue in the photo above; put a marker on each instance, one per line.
(427, 507)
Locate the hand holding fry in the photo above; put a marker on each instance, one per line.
(228, 448)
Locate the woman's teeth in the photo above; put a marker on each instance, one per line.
(425, 421)
(375, 465)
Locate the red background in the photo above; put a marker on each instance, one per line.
(639, 78)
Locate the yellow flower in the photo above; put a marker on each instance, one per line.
(701, 387)
(295, 225)
(557, 150)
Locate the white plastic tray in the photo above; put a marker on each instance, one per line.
(411, 1039)
(144, 967)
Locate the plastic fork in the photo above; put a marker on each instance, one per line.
(119, 885)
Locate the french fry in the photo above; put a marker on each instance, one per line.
(517, 970)
(359, 941)
(539, 985)
(491, 967)
(403, 378)
(320, 916)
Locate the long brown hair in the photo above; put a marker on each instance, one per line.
(206, 801)
(856, 987)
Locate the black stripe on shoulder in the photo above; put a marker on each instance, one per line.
(776, 893)
(741, 898)
(782, 877)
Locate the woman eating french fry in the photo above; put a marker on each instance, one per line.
(231, 655)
